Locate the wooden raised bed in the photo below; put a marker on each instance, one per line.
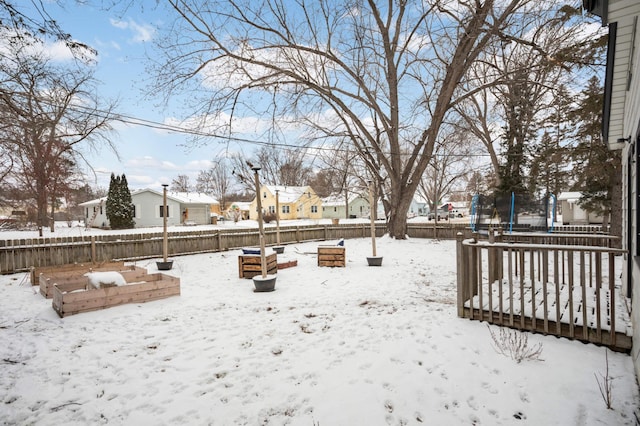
(331, 256)
(73, 298)
(49, 278)
(249, 265)
(85, 267)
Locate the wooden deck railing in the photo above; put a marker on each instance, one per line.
(565, 289)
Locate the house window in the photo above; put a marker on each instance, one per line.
(134, 211)
(285, 209)
(100, 208)
(335, 209)
(162, 213)
(314, 209)
(86, 214)
(272, 209)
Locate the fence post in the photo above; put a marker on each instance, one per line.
(93, 249)
(461, 261)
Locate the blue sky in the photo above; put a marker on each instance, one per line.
(149, 157)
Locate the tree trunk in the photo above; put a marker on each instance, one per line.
(52, 222)
(397, 225)
(41, 206)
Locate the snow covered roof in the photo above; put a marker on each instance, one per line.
(93, 202)
(192, 197)
(288, 194)
(180, 197)
(338, 199)
(242, 205)
(570, 196)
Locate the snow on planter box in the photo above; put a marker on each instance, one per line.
(76, 297)
(70, 267)
(47, 279)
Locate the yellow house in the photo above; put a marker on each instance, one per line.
(296, 202)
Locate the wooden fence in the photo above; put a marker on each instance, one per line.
(550, 284)
(21, 255)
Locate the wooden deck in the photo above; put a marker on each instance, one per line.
(566, 290)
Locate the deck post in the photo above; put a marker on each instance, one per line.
(461, 261)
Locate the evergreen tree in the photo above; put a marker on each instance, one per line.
(119, 206)
(127, 204)
(596, 168)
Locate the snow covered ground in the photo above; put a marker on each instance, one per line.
(331, 346)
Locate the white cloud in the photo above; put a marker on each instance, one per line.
(140, 32)
(149, 162)
(198, 165)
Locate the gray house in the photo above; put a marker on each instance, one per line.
(184, 208)
(334, 206)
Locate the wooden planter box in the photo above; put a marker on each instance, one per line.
(64, 276)
(85, 267)
(331, 256)
(289, 264)
(73, 297)
(249, 265)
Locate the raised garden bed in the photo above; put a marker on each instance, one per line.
(331, 256)
(69, 267)
(47, 279)
(249, 265)
(73, 297)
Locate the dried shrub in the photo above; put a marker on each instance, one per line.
(515, 345)
(605, 384)
(268, 217)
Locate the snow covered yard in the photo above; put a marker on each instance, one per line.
(331, 346)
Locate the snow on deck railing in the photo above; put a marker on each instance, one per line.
(567, 290)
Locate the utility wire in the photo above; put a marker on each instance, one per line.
(142, 122)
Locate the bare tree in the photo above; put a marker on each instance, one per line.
(20, 28)
(517, 87)
(451, 163)
(217, 181)
(385, 76)
(349, 175)
(181, 183)
(50, 113)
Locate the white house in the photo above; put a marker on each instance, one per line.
(183, 207)
(621, 131)
(572, 213)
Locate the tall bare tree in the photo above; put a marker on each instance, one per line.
(519, 87)
(451, 164)
(383, 74)
(217, 181)
(181, 183)
(51, 115)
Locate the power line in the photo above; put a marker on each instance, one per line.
(137, 121)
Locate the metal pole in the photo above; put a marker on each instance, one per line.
(165, 241)
(277, 217)
(263, 260)
(373, 225)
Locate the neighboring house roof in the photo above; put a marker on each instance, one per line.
(180, 197)
(192, 198)
(571, 196)
(93, 202)
(242, 205)
(338, 199)
(288, 194)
